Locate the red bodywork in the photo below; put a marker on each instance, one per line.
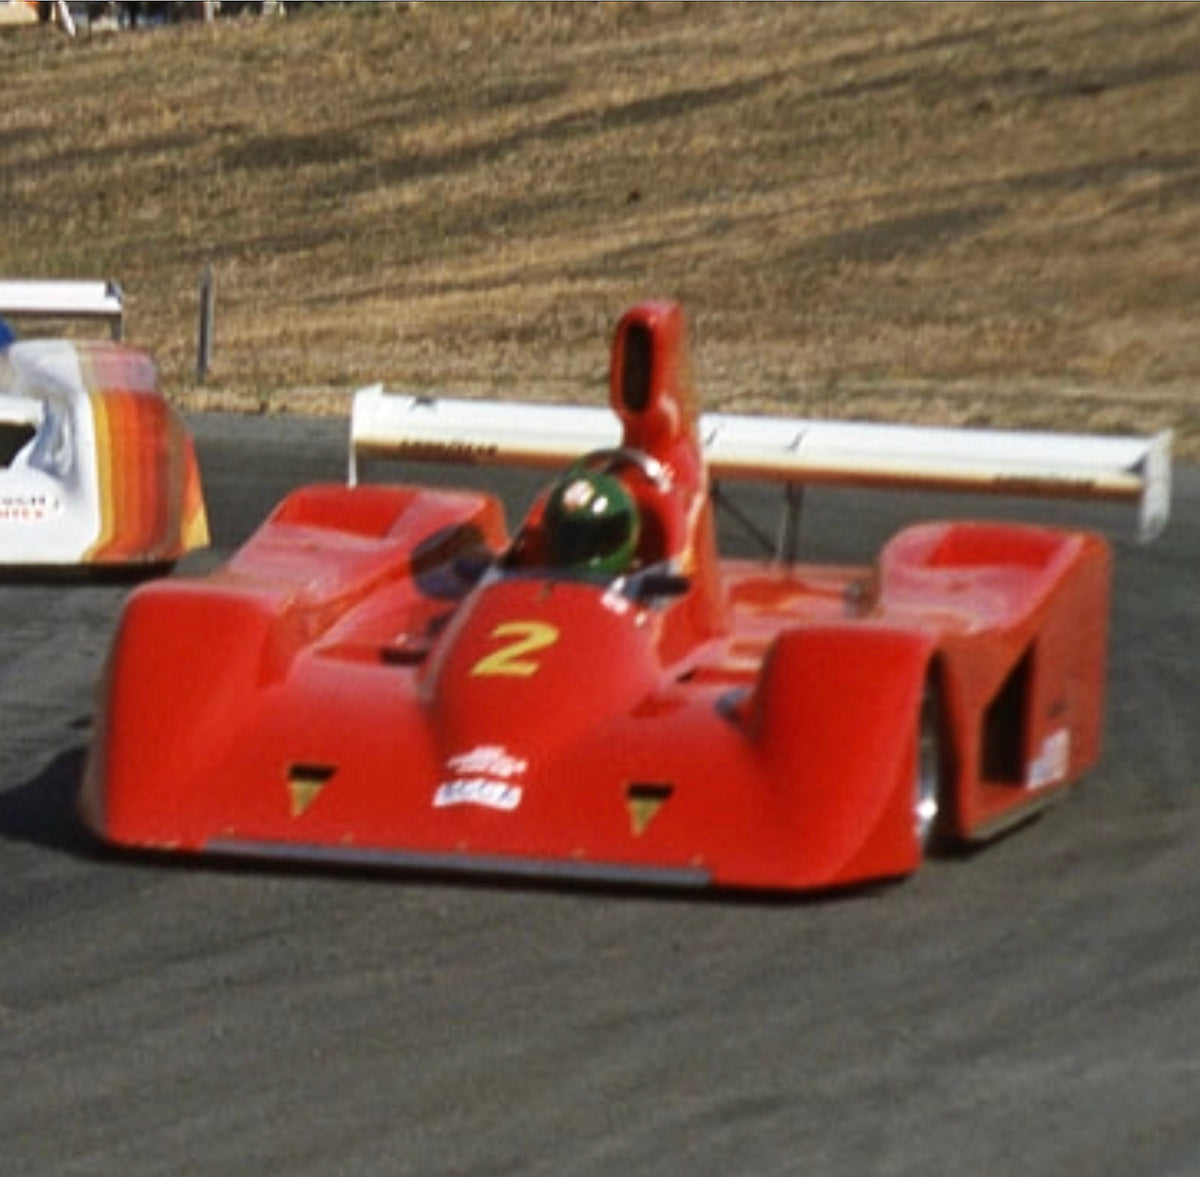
(350, 688)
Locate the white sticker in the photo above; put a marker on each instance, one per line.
(488, 760)
(1051, 765)
(28, 508)
(478, 791)
(484, 776)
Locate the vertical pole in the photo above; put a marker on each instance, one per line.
(208, 300)
(788, 547)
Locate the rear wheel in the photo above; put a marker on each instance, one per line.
(928, 791)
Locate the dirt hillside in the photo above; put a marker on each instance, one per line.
(954, 213)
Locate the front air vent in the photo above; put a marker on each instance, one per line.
(637, 363)
(644, 800)
(305, 782)
(1002, 756)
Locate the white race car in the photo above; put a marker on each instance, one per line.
(96, 467)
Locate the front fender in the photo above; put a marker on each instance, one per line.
(836, 710)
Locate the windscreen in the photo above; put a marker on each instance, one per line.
(14, 437)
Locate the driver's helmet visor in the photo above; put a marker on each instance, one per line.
(583, 539)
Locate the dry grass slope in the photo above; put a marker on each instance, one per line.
(964, 214)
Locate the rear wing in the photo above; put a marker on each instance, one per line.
(64, 299)
(793, 451)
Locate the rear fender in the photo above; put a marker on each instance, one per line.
(151, 500)
(836, 710)
(1024, 612)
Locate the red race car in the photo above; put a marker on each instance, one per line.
(398, 681)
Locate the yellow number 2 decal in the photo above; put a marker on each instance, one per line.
(524, 637)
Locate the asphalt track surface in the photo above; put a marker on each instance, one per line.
(1032, 1009)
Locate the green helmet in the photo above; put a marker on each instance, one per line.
(591, 523)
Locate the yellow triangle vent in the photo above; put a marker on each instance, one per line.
(305, 782)
(644, 799)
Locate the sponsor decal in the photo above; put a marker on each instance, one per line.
(445, 451)
(1051, 764)
(490, 760)
(484, 776)
(28, 508)
(477, 791)
(1022, 484)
